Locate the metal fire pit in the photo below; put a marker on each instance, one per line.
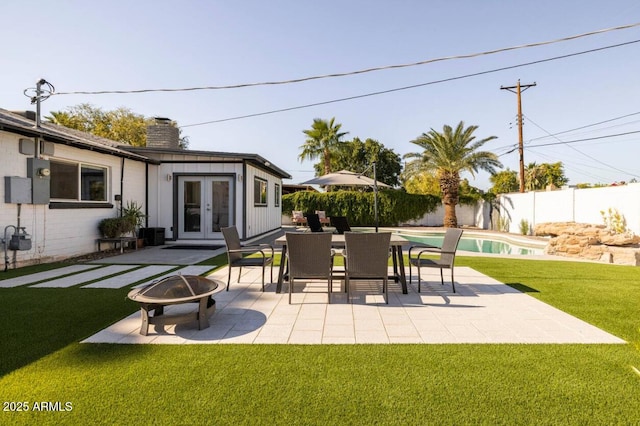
(176, 290)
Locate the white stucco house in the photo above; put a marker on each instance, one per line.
(60, 191)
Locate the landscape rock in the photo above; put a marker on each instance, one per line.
(589, 241)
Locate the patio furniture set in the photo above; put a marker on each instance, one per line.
(309, 255)
(305, 256)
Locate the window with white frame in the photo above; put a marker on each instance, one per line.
(78, 181)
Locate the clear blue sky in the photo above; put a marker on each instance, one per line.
(129, 45)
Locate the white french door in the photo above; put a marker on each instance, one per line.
(205, 205)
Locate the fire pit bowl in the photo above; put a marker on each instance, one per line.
(176, 290)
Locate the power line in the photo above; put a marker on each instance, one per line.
(381, 92)
(580, 152)
(513, 147)
(580, 171)
(583, 127)
(585, 139)
(363, 71)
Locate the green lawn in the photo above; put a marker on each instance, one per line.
(328, 384)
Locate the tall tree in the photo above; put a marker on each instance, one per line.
(539, 176)
(358, 156)
(447, 154)
(323, 140)
(421, 183)
(554, 174)
(504, 182)
(533, 175)
(121, 124)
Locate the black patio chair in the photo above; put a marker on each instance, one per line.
(313, 221)
(341, 224)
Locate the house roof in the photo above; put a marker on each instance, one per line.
(254, 159)
(20, 124)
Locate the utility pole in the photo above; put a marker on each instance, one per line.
(518, 89)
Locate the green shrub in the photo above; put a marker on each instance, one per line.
(394, 207)
(114, 227)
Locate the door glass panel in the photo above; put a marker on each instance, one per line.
(192, 206)
(220, 205)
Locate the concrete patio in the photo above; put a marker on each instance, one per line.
(482, 311)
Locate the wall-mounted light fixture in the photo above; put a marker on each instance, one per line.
(169, 177)
(239, 178)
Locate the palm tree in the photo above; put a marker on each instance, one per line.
(533, 177)
(322, 140)
(446, 155)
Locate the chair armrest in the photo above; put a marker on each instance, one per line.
(254, 249)
(260, 247)
(431, 251)
(424, 247)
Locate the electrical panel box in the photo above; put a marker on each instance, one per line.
(27, 147)
(39, 171)
(17, 190)
(47, 148)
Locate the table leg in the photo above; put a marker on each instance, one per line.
(283, 259)
(394, 251)
(403, 277)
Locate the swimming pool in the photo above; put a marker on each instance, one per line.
(479, 243)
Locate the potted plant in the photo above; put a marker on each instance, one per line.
(133, 218)
(112, 227)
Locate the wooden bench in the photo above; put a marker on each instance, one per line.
(121, 241)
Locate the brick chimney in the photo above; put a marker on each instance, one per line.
(162, 134)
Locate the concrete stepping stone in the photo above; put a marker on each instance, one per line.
(72, 280)
(45, 275)
(129, 278)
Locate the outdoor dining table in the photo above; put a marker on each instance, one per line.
(337, 241)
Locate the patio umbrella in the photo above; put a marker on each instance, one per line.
(344, 178)
(348, 178)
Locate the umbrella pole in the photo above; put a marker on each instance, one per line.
(375, 195)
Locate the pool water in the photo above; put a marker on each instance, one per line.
(475, 244)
